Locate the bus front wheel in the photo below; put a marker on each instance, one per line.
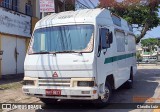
(104, 100)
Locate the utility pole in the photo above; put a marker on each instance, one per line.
(158, 50)
(64, 5)
(43, 15)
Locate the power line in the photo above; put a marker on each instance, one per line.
(86, 3)
(92, 3)
(82, 4)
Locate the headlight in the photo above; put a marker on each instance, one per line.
(85, 83)
(29, 82)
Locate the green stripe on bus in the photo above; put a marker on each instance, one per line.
(117, 58)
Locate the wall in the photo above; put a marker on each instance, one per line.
(21, 5)
(14, 51)
(35, 7)
(34, 21)
(8, 58)
(14, 23)
(15, 32)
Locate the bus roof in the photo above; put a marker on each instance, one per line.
(86, 16)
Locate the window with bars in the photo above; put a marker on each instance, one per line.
(28, 8)
(10, 4)
(15, 5)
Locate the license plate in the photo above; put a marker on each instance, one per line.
(53, 92)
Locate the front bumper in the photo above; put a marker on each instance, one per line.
(66, 92)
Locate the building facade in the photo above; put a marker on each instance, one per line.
(17, 20)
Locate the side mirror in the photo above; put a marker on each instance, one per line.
(99, 51)
(1, 52)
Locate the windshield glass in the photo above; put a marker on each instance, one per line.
(78, 38)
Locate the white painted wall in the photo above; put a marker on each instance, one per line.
(21, 48)
(37, 9)
(8, 59)
(21, 5)
(14, 23)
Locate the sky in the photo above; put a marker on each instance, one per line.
(155, 32)
(88, 3)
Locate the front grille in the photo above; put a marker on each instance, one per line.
(62, 82)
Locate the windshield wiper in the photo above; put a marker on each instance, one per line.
(64, 52)
(67, 52)
(46, 52)
(41, 52)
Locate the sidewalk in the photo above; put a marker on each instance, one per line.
(11, 82)
(11, 91)
(155, 69)
(6, 79)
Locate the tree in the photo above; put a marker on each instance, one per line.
(142, 14)
(139, 57)
(150, 43)
(69, 5)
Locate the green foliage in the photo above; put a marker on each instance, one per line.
(69, 7)
(11, 85)
(139, 15)
(139, 57)
(142, 14)
(149, 42)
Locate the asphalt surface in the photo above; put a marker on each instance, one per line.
(146, 87)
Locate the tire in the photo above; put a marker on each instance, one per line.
(48, 100)
(129, 83)
(102, 102)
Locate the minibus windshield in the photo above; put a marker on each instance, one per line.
(71, 38)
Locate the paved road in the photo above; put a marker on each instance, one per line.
(146, 85)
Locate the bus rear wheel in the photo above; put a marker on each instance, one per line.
(129, 83)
